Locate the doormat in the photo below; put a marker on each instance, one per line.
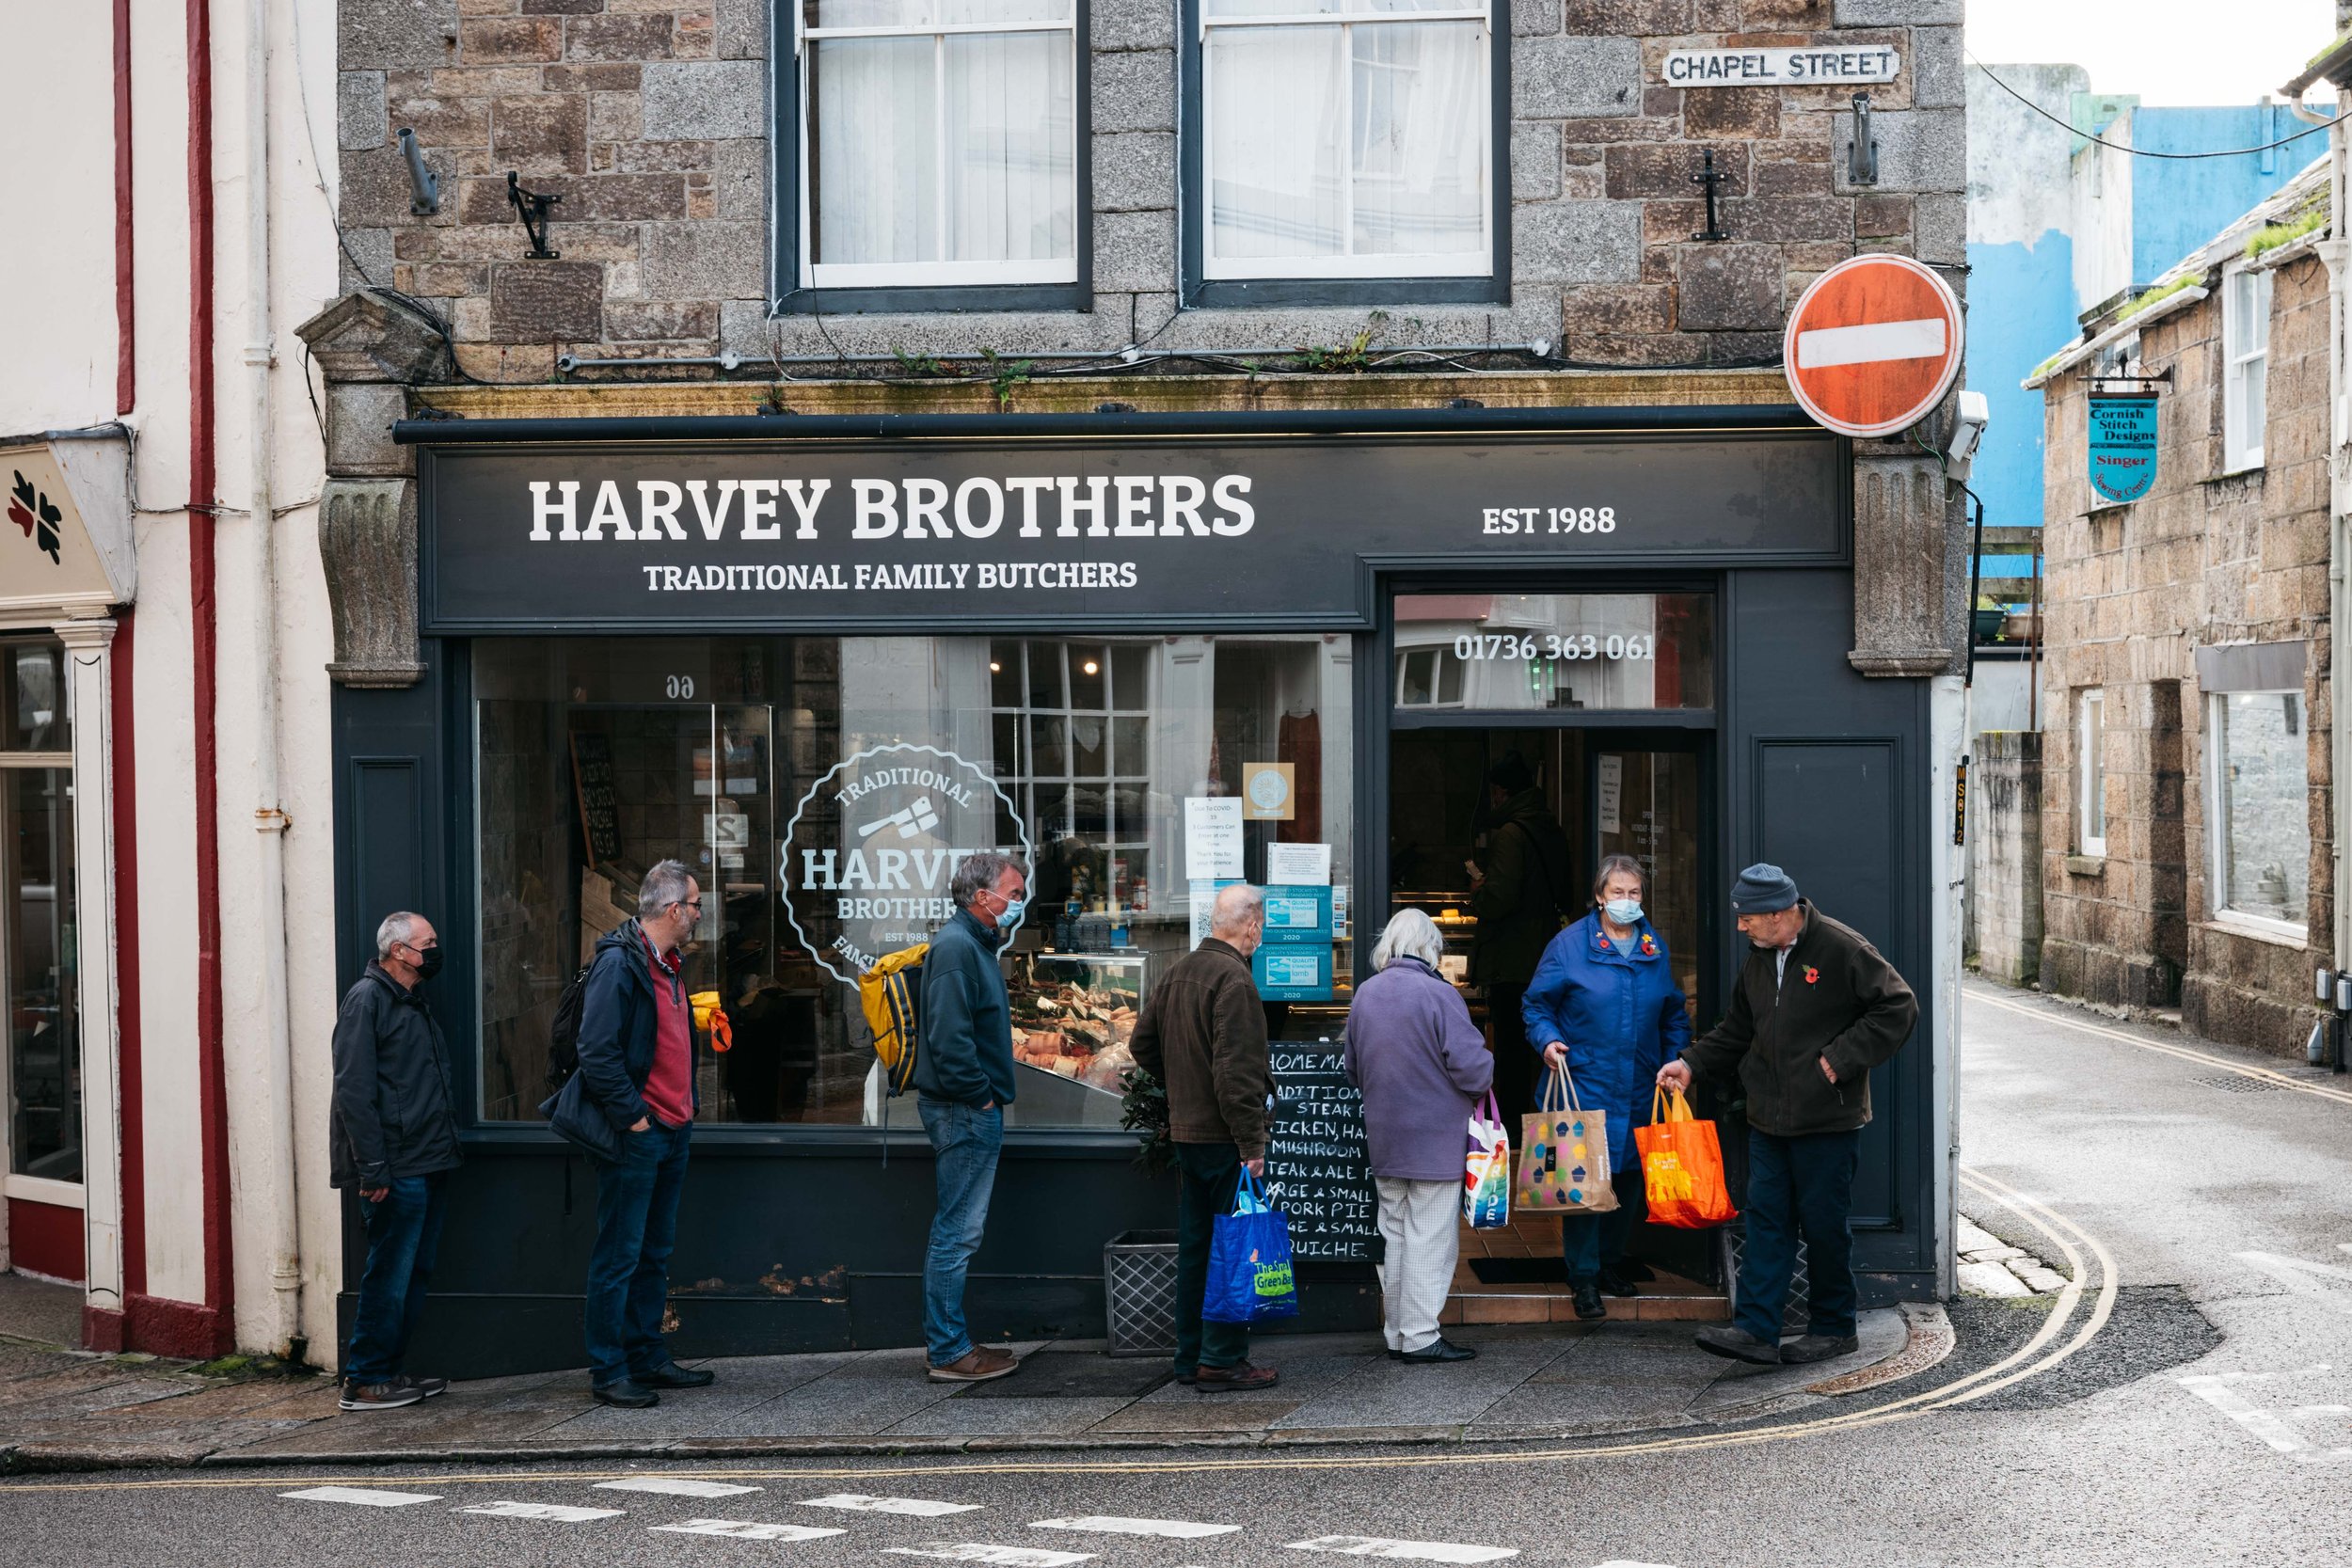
(1520, 1271)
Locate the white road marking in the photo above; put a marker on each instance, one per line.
(1110, 1524)
(744, 1530)
(674, 1488)
(2295, 1273)
(364, 1497)
(1871, 343)
(561, 1512)
(919, 1507)
(1417, 1551)
(1003, 1556)
(1628, 1562)
(2263, 1423)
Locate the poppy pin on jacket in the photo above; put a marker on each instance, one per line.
(1812, 975)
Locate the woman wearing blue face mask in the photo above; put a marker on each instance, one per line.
(1604, 1005)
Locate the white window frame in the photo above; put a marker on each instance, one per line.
(1341, 268)
(1437, 679)
(2091, 773)
(2218, 811)
(2245, 350)
(940, 274)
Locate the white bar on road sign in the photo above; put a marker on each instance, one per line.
(1869, 343)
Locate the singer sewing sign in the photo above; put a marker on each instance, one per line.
(872, 845)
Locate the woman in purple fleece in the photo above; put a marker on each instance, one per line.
(1421, 1064)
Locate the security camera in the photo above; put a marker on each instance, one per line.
(1967, 434)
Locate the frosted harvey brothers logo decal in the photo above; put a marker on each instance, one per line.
(799, 512)
(872, 845)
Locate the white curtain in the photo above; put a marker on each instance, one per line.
(1330, 141)
(1009, 99)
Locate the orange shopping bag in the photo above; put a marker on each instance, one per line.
(1682, 1165)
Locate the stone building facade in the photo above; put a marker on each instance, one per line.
(2187, 841)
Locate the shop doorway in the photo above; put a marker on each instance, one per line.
(1496, 822)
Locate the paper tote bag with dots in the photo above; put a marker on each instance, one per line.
(1564, 1163)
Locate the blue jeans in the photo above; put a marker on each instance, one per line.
(1591, 1242)
(965, 1142)
(629, 1274)
(1799, 1187)
(404, 1238)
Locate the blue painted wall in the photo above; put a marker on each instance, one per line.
(2178, 206)
(2021, 306)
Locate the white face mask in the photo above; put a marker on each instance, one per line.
(1625, 911)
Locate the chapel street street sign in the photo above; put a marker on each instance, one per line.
(1778, 68)
(827, 532)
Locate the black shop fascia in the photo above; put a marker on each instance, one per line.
(819, 659)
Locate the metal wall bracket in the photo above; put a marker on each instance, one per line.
(532, 208)
(1708, 176)
(1861, 159)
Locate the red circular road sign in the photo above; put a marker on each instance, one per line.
(1873, 345)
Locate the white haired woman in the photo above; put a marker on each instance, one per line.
(1421, 1065)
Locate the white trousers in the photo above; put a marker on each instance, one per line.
(1419, 1221)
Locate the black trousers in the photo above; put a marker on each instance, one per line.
(1515, 1064)
(1209, 1174)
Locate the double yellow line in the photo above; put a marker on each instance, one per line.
(2079, 1249)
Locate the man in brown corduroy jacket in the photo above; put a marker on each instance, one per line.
(1202, 1035)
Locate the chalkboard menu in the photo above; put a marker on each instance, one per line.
(591, 783)
(1317, 1167)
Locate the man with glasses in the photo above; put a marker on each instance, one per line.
(637, 1071)
(393, 1136)
(962, 1082)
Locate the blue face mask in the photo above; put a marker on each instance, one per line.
(1625, 911)
(1013, 912)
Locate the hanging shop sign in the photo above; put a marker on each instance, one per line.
(2123, 446)
(872, 846)
(1778, 68)
(65, 525)
(834, 535)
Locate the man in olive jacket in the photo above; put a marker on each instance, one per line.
(1517, 891)
(1202, 1033)
(1815, 1010)
(393, 1136)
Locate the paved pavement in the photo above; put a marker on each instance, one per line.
(2182, 1401)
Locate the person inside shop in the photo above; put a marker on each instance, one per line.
(964, 1080)
(1421, 1065)
(1203, 1035)
(393, 1136)
(631, 1105)
(1519, 890)
(1815, 1010)
(1606, 1008)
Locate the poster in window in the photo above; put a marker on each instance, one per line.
(592, 789)
(1271, 790)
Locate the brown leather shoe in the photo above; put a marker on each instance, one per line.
(1242, 1376)
(977, 1365)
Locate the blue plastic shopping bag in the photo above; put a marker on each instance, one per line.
(1249, 1261)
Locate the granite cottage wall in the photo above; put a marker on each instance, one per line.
(2205, 559)
(650, 119)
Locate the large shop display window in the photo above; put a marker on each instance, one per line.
(822, 788)
(37, 917)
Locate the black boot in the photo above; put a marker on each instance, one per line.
(1616, 1282)
(1588, 1303)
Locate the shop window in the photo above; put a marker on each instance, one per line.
(938, 143)
(2090, 775)
(37, 928)
(1505, 652)
(1345, 140)
(2245, 364)
(822, 788)
(2261, 808)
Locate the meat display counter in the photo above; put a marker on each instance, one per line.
(1073, 1024)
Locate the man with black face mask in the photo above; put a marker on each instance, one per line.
(394, 1138)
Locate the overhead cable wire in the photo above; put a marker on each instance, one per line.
(2139, 152)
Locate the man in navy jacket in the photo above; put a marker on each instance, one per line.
(962, 1082)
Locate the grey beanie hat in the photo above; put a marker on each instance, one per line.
(1762, 889)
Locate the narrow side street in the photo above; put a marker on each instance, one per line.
(2182, 1402)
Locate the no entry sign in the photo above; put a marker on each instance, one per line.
(1873, 345)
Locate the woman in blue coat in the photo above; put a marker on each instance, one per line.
(1604, 1005)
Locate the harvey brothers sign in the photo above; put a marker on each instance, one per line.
(845, 534)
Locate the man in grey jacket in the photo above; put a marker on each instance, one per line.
(393, 1136)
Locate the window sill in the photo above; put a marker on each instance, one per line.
(2086, 866)
(1232, 293)
(968, 298)
(2233, 476)
(2277, 933)
(43, 1189)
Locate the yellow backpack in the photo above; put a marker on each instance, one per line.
(891, 994)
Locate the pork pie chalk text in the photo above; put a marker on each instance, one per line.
(1120, 506)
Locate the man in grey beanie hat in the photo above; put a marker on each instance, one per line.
(1815, 1008)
